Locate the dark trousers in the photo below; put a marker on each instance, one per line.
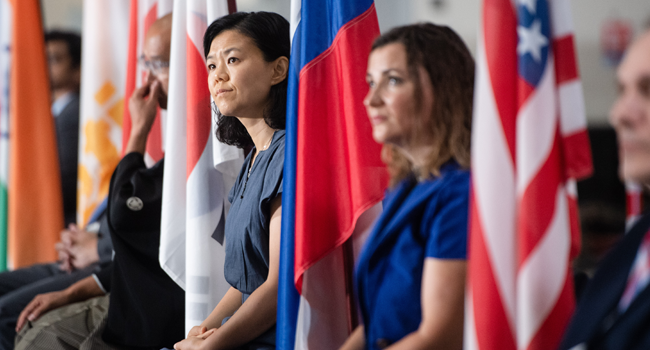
(19, 287)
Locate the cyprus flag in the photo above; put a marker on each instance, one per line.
(105, 46)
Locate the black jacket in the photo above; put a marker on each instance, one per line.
(596, 321)
(67, 139)
(147, 308)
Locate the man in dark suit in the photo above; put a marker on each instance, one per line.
(64, 62)
(614, 310)
(146, 307)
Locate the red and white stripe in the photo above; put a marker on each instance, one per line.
(143, 14)
(639, 276)
(633, 201)
(325, 317)
(199, 170)
(528, 145)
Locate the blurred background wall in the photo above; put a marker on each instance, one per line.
(602, 30)
(591, 18)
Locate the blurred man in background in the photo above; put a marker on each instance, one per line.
(80, 249)
(64, 61)
(614, 309)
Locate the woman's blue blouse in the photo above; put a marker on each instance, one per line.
(420, 220)
(247, 225)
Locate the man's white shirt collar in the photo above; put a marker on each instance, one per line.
(59, 105)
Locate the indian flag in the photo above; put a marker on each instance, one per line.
(5, 42)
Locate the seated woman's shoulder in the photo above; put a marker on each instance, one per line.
(453, 174)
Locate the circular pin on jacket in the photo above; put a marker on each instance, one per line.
(134, 203)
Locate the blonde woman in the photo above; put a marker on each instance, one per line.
(411, 274)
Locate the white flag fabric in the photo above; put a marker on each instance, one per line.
(199, 170)
(104, 60)
(172, 228)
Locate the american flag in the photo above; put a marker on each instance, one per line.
(529, 144)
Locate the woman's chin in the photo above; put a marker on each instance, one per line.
(224, 110)
(381, 135)
(378, 134)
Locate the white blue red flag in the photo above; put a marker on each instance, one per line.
(333, 174)
(199, 170)
(529, 144)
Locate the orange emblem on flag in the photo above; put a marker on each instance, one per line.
(100, 148)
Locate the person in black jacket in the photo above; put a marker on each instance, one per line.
(614, 309)
(146, 308)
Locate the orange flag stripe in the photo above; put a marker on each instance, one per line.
(35, 202)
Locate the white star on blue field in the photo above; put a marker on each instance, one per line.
(531, 40)
(534, 34)
(529, 4)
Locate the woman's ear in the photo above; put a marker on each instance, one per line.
(280, 70)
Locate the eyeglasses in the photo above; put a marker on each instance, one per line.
(154, 66)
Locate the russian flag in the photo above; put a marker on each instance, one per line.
(334, 178)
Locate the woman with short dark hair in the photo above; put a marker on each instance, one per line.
(262, 28)
(411, 274)
(247, 57)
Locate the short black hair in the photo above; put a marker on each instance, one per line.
(72, 41)
(270, 33)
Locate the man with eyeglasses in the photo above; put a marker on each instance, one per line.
(145, 100)
(145, 308)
